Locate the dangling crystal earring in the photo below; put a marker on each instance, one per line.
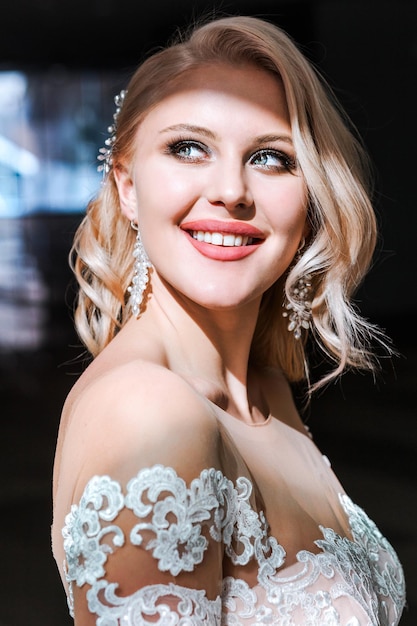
(299, 311)
(141, 273)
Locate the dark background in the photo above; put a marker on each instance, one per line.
(368, 53)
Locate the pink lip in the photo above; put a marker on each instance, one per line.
(226, 228)
(223, 253)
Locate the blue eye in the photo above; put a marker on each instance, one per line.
(188, 150)
(273, 160)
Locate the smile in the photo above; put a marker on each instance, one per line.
(218, 239)
(222, 240)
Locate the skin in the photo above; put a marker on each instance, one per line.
(235, 167)
(214, 155)
(227, 176)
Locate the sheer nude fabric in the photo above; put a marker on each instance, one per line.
(266, 537)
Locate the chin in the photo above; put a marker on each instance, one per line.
(223, 302)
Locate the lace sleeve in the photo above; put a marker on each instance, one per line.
(150, 553)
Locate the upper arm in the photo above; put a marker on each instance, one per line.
(141, 471)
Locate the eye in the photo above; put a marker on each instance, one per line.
(271, 159)
(188, 150)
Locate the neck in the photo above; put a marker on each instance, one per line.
(219, 337)
(208, 347)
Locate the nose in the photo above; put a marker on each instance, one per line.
(228, 186)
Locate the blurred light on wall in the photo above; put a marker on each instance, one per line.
(23, 293)
(52, 123)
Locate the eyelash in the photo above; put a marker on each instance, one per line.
(289, 163)
(173, 148)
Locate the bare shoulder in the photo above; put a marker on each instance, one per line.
(136, 415)
(280, 398)
(122, 420)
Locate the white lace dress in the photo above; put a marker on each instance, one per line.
(236, 545)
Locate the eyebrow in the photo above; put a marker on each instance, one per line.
(191, 128)
(272, 138)
(208, 133)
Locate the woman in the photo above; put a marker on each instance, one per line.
(186, 489)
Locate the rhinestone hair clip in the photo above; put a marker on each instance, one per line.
(105, 153)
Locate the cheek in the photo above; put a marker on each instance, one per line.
(166, 192)
(290, 205)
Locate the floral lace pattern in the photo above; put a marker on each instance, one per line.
(176, 523)
(182, 606)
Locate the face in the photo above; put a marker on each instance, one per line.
(214, 187)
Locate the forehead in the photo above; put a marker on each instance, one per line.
(221, 92)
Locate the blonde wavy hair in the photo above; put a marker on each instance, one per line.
(335, 167)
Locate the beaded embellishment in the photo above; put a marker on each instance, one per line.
(105, 153)
(140, 278)
(299, 311)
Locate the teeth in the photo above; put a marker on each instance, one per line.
(231, 240)
(217, 239)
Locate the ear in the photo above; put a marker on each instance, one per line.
(127, 194)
